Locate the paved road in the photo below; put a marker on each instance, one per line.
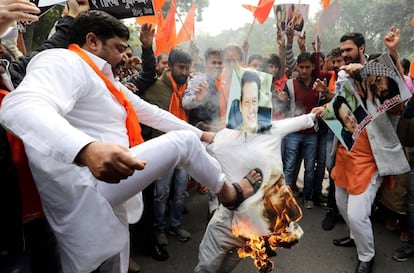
(315, 252)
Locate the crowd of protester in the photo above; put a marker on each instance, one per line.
(196, 93)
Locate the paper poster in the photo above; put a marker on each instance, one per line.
(356, 105)
(291, 16)
(261, 115)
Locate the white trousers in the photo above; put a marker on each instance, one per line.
(162, 154)
(356, 210)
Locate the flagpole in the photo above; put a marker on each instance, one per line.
(182, 23)
(251, 28)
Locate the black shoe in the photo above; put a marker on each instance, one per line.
(403, 253)
(344, 242)
(320, 201)
(159, 253)
(365, 267)
(329, 221)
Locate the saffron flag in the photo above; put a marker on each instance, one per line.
(152, 19)
(186, 32)
(249, 7)
(261, 12)
(166, 33)
(325, 4)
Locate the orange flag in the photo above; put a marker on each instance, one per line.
(166, 33)
(412, 22)
(249, 7)
(152, 19)
(261, 12)
(325, 4)
(186, 32)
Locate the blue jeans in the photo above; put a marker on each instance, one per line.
(179, 177)
(293, 144)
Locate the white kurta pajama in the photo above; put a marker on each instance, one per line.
(61, 106)
(238, 153)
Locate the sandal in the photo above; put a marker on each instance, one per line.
(239, 192)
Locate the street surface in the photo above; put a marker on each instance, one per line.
(314, 253)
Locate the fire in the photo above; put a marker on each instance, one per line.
(282, 213)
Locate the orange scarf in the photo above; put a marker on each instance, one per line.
(131, 122)
(223, 100)
(175, 107)
(332, 82)
(223, 97)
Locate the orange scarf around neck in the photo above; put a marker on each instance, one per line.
(175, 107)
(223, 100)
(131, 122)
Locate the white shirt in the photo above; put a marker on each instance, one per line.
(61, 106)
(239, 152)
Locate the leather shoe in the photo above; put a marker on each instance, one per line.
(365, 267)
(344, 242)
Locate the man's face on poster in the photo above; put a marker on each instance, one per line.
(379, 86)
(249, 106)
(347, 116)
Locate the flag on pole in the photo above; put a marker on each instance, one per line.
(152, 19)
(325, 4)
(166, 33)
(261, 12)
(186, 32)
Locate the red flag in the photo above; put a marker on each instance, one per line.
(186, 32)
(262, 10)
(325, 4)
(166, 33)
(412, 22)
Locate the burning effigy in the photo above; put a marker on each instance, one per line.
(268, 219)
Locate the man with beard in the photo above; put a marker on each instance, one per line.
(167, 93)
(81, 133)
(353, 48)
(369, 159)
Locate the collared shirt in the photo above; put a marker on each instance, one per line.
(61, 106)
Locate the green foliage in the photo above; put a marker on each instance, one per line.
(371, 18)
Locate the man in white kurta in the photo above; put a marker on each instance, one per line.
(61, 108)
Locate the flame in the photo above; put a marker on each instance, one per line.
(283, 213)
